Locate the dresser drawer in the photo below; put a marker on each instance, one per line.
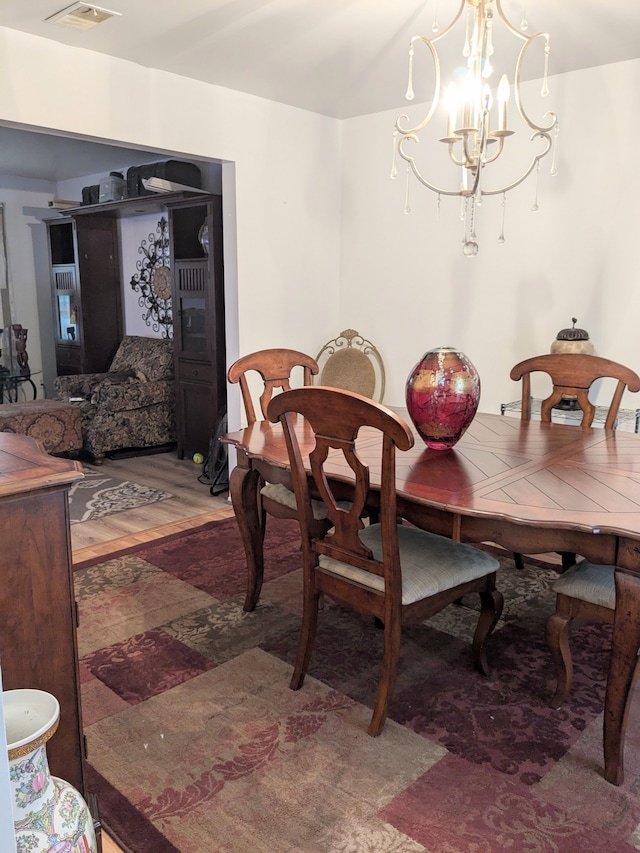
(68, 358)
(195, 371)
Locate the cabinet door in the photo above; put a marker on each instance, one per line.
(196, 403)
(37, 628)
(191, 310)
(198, 320)
(66, 296)
(100, 286)
(66, 304)
(85, 275)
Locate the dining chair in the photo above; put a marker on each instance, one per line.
(584, 590)
(389, 570)
(352, 363)
(572, 376)
(275, 368)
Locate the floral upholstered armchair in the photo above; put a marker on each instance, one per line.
(130, 406)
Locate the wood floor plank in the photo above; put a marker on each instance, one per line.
(109, 846)
(191, 504)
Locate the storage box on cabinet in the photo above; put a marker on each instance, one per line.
(178, 171)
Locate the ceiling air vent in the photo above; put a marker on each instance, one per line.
(81, 16)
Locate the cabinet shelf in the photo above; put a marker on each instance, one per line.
(137, 206)
(628, 419)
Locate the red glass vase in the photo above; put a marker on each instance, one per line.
(442, 393)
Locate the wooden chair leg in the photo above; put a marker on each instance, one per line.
(492, 602)
(557, 636)
(390, 658)
(307, 638)
(519, 562)
(244, 489)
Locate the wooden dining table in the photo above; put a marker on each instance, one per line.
(527, 486)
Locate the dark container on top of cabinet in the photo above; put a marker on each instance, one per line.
(85, 276)
(198, 319)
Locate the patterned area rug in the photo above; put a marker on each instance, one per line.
(98, 495)
(197, 744)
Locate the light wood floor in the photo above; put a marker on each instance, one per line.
(109, 846)
(190, 506)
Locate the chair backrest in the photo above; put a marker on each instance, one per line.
(332, 421)
(151, 358)
(352, 363)
(572, 375)
(275, 366)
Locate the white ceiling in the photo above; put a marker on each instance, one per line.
(341, 58)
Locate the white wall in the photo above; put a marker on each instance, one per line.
(406, 284)
(310, 256)
(25, 202)
(282, 267)
(133, 232)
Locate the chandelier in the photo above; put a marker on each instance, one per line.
(477, 122)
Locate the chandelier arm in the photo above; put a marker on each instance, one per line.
(469, 159)
(452, 156)
(436, 90)
(534, 161)
(436, 67)
(411, 161)
(519, 105)
(497, 152)
(466, 193)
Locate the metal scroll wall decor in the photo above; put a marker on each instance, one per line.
(153, 281)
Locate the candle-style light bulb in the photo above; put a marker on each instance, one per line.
(504, 92)
(451, 104)
(467, 100)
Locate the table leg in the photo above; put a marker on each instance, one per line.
(622, 673)
(243, 489)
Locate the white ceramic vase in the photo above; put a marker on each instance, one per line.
(50, 816)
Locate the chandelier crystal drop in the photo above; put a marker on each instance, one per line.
(476, 117)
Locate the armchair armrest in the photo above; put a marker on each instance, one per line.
(77, 385)
(132, 395)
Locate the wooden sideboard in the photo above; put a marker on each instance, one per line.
(38, 619)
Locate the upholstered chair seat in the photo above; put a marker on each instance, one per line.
(584, 591)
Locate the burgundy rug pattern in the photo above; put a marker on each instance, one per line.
(196, 743)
